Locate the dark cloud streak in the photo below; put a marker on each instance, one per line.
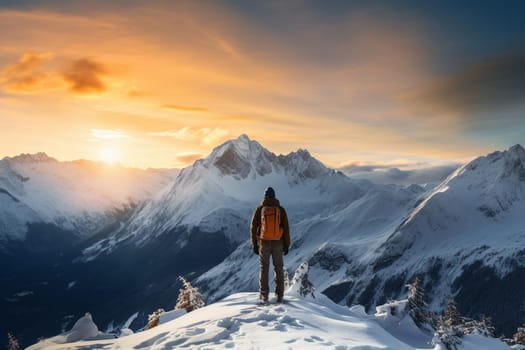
(85, 76)
(493, 85)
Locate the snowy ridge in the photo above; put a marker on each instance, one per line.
(480, 199)
(75, 196)
(240, 322)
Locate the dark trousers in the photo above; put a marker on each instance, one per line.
(275, 250)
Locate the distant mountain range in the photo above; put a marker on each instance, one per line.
(83, 236)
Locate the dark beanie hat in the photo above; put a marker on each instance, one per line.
(269, 193)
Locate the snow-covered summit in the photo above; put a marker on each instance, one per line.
(241, 322)
(243, 157)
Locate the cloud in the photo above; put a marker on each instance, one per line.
(184, 134)
(211, 136)
(84, 76)
(359, 167)
(184, 108)
(388, 174)
(108, 134)
(34, 73)
(494, 84)
(29, 74)
(204, 135)
(187, 158)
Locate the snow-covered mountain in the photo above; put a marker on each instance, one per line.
(77, 196)
(241, 322)
(364, 242)
(48, 211)
(185, 229)
(217, 195)
(465, 238)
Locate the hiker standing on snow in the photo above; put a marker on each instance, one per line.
(270, 236)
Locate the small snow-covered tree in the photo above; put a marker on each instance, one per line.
(452, 316)
(482, 326)
(154, 318)
(519, 336)
(189, 297)
(12, 342)
(301, 283)
(446, 335)
(450, 327)
(416, 307)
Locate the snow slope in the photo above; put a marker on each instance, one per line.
(75, 196)
(240, 322)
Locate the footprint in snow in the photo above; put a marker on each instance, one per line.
(290, 321)
(229, 324)
(314, 338)
(279, 309)
(280, 327)
(194, 331)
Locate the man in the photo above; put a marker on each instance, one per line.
(270, 236)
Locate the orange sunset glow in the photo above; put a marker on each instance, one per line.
(159, 84)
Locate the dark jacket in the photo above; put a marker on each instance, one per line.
(255, 227)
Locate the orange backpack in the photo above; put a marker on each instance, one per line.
(271, 223)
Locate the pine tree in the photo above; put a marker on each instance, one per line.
(416, 307)
(446, 335)
(450, 327)
(154, 318)
(452, 315)
(12, 342)
(189, 297)
(519, 336)
(482, 326)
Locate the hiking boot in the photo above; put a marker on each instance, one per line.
(264, 298)
(279, 299)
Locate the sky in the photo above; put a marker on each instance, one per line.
(357, 83)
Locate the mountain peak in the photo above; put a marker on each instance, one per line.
(244, 157)
(243, 138)
(40, 157)
(237, 157)
(518, 150)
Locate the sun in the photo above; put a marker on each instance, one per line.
(109, 155)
